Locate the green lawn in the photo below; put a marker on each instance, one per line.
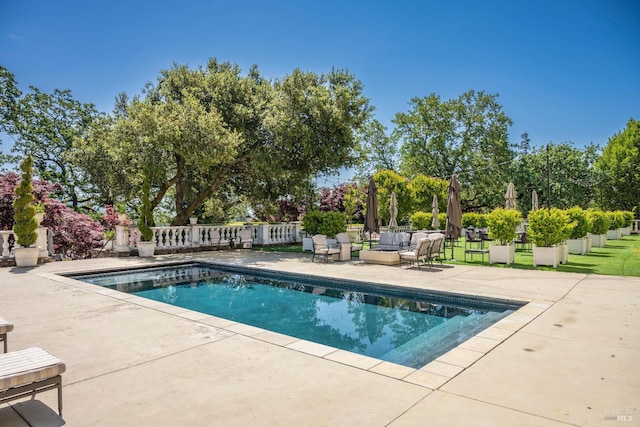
(618, 258)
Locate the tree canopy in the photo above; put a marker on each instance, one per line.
(213, 132)
(619, 164)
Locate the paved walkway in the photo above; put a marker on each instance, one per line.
(571, 356)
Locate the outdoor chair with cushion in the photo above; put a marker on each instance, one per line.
(321, 248)
(522, 241)
(437, 249)
(471, 239)
(346, 247)
(418, 254)
(24, 373)
(415, 238)
(5, 328)
(390, 241)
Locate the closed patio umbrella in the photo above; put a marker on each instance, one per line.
(371, 222)
(393, 212)
(435, 223)
(510, 196)
(534, 200)
(454, 211)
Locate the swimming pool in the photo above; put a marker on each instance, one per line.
(400, 325)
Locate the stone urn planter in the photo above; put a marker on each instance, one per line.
(546, 255)
(193, 220)
(26, 257)
(146, 249)
(505, 254)
(577, 246)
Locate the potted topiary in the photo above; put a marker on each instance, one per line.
(502, 228)
(628, 221)
(25, 223)
(548, 228)
(599, 225)
(616, 222)
(146, 242)
(577, 243)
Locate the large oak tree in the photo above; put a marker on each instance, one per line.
(212, 132)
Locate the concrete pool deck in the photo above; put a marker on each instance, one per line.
(569, 357)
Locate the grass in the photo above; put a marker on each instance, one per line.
(618, 258)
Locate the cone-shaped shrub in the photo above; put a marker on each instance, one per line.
(24, 210)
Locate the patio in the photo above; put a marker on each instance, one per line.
(570, 357)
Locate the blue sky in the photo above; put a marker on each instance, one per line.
(565, 70)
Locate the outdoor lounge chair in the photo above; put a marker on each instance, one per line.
(417, 255)
(24, 373)
(321, 247)
(436, 250)
(471, 238)
(346, 247)
(5, 328)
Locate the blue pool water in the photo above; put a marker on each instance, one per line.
(378, 322)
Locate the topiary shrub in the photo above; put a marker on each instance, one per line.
(616, 220)
(24, 210)
(421, 220)
(145, 222)
(548, 227)
(581, 222)
(599, 221)
(327, 223)
(628, 218)
(502, 224)
(475, 220)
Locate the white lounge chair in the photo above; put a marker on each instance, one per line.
(321, 247)
(346, 246)
(5, 328)
(24, 373)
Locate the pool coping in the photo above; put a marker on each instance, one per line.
(433, 375)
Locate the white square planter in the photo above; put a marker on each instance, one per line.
(599, 240)
(504, 254)
(577, 246)
(549, 255)
(613, 234)
(625, 231)
(564, 253)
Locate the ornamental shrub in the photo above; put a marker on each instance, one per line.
(502, 224)
(616, 220)
(145, 222)
(548, 227)
(327, 223)
(421, 220)
(475, 220)
(628, 218)
(581, 227)
(74, 234)
(599, 221)
(24, 210)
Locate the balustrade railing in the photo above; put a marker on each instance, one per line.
(635, 227)
(208, 236)
(8, 241)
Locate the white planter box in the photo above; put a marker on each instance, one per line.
(625, 231)
(599, 240)
(577, 246)
(564, 253)
(546, 256)
(614, 234)
(504, 254)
